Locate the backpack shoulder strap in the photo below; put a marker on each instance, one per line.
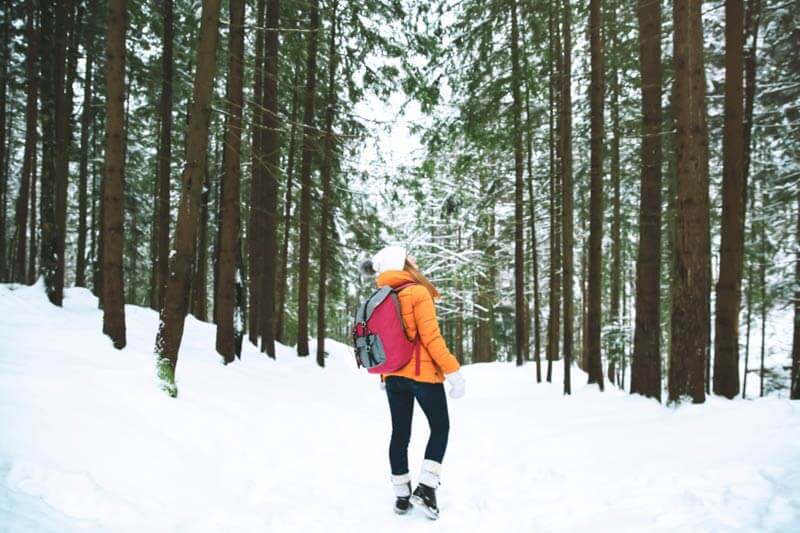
(417, 344)
(417, 339)
(404, 286)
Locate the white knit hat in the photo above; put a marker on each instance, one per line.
(390, 258)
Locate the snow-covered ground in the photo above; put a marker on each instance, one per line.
(89, 443)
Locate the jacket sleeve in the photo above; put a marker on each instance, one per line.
(429, 334)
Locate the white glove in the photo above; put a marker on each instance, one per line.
(457, 384)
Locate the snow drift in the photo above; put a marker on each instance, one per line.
(88, 442)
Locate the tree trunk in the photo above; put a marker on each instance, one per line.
(325, 172)
(152, 292)
(75, 33)
(794, 392)
(257, 215)
(596, 92)
(521, 340)
(750, 56)
(567, 206)
(18, 271)
(750, 62)
(113, 294)
(271, 140)
(94, 235)
(690, 320)
(98, 271)
(554, 297)
(483, 350)
(86, 126)
(33, 251)
(615, 346)
(726, 341)
(5, 150)
(229, 217)
(199, 283)
(164, 157)
(459, 350)
(534, 250)
(646, 364)
(283, 276)
(309, 147)
(762, 260)
(216, 209)
(584, 325)
(748, 322)
(48, 263)
(668, 144)
(63, 106)
(173, 314)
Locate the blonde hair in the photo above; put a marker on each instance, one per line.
(421, 279)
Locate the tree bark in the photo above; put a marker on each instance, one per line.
(794, 392)
(690, 313)
(596, 91)
(199, 282)
(750, 64)
(33, 251)
(283, 276)
(113, 294)
(325, 172)
(483, 346)
(615, 346)
(98, 271)
(567, 206)
(173, 314)
(751, 27)
(271, 140)
(75, 35)
(63, 105)
(521, 340)
(646, 364)
(762, 260)
(309, 142)
(5, 148)
(229, 205)
(534, 249)
(164, 156)
(86, 126)
(18, 272)
(554, 296)
(734, 184)
(48, 262)
(554, 65)
(257, 215)
(748, 319)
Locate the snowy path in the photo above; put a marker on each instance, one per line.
(88, 443)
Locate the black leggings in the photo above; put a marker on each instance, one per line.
(401, 393)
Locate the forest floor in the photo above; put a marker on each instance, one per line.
(88, 442)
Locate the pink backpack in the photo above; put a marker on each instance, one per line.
(379, 336)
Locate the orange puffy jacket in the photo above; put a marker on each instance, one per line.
(419, 316)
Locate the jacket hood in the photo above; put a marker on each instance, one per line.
(394, 278)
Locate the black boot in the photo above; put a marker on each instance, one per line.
(425, 497)
(403, 503)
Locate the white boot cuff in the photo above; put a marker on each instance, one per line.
(401, 485)
(431, 472)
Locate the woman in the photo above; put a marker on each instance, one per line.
(395, 268)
